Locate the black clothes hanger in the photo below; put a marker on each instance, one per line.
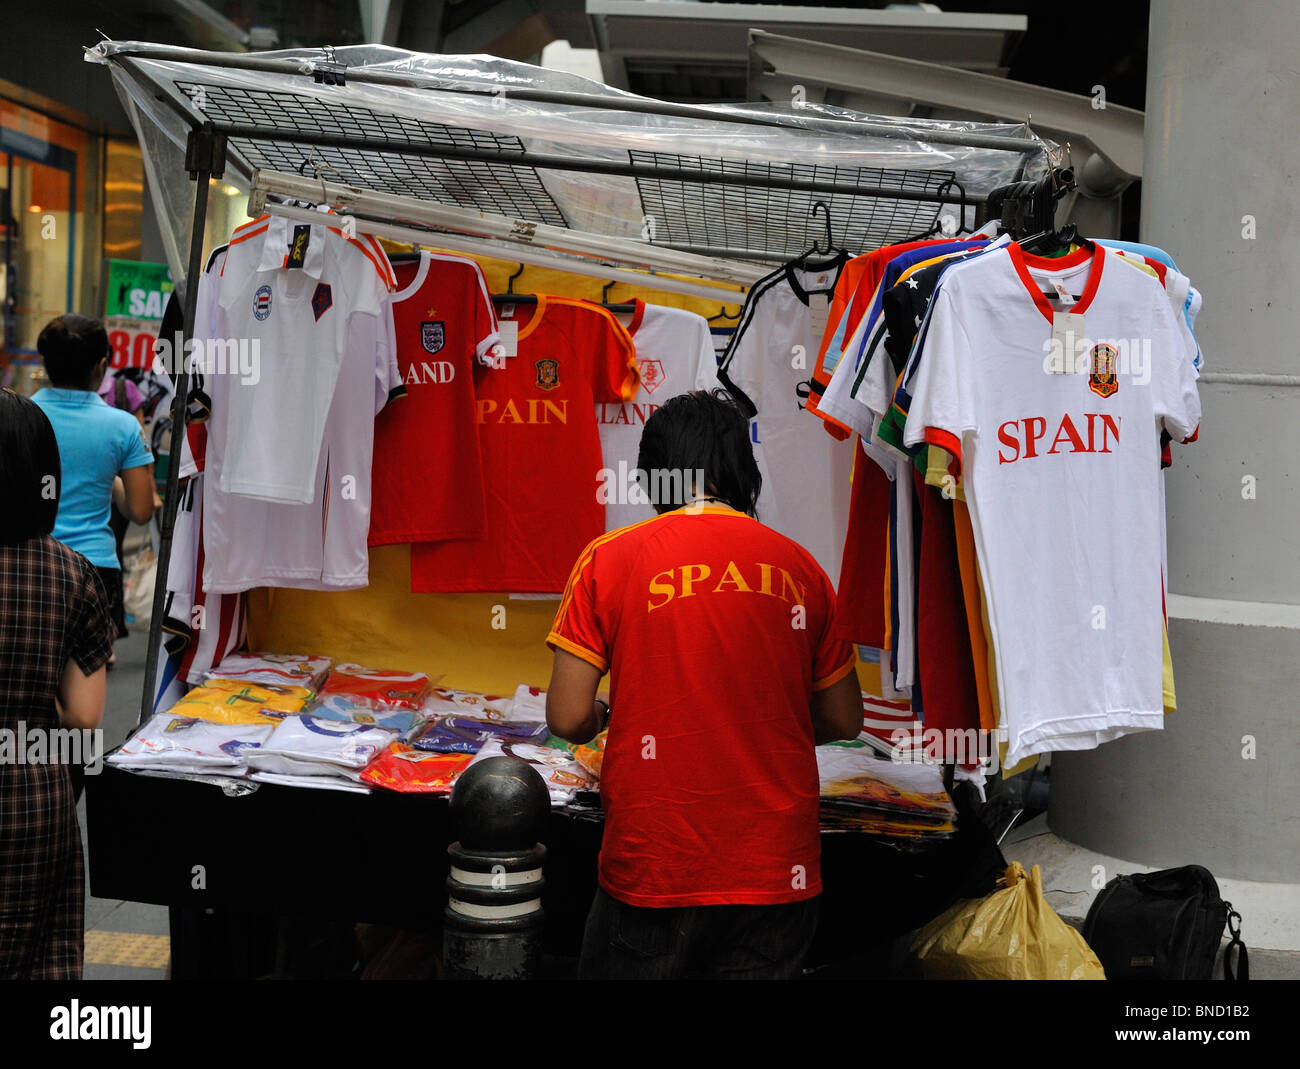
(937, 230)
(623, 306)
(1028, 212)
(510, 296)
(818, 258)
(722, 314)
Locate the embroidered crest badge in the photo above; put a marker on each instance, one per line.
(1102, 379)
(652, 374)
(548, 374)
(433, 336)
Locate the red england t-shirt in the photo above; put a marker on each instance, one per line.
(427, 476)
(716, 631)
(541, 451)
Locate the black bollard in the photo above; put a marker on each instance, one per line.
(492, 927)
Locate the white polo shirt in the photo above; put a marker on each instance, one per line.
(290, 445)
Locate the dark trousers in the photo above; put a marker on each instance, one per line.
(623, 942)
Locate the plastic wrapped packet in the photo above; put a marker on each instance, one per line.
(529, 704)
(462, 734)
(306, 746)
(284, 669)
(231, 701)
(443, 701)
(403, 768)
(378, 688)
(344, 708)
(180, 744)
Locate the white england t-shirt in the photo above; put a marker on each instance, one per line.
(1061, 475)
(674, 350)
(806, 472)
(305, 427)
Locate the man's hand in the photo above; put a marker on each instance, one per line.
(571, 709)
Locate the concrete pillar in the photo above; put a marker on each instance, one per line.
(1219, 786)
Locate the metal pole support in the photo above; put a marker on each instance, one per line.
(493, 924)
(492, 927)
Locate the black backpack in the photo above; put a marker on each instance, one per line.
(1164, 926)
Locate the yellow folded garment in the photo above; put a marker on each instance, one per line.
(232, 701)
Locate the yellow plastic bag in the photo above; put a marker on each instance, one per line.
(1013, 934)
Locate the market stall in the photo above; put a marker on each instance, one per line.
(351, 156)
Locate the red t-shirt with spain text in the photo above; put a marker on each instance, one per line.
(536, 414)
(716, 631)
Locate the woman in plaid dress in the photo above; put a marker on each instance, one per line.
(55, 639)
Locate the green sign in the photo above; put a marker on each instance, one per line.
(135, 297)
(135, 290)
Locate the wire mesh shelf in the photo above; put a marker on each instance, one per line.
(503, 187)
(765, 216)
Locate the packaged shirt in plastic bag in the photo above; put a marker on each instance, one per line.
(462, 734)
(306, 746)
(166, 742)
(445, 702)
(1012, 934)
(378, 688)
(404, 768)
(232, 701)
(529, 704)
(285, 669)
(344, 708)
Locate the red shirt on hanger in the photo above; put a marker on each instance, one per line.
(427, 479)
(536, 414)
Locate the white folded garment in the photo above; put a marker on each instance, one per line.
(530, 705)
(284, 669)
(308, 745)
(319, 783)
(187, 744)
(445, 702)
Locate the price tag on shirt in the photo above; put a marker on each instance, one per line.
(510, 336)
(1067, 343)
(819, 311)
(1064, 296)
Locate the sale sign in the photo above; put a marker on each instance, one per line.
(135, 297)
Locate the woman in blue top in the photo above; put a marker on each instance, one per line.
(97, 443)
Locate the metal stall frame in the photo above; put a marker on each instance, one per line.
(209, 151)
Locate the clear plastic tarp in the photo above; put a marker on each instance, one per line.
(524, 142)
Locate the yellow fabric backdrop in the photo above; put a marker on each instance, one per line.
(481, 642)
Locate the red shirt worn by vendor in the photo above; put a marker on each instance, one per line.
(716, 631)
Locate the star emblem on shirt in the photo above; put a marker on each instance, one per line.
(432, 313)
(917, 320)
(911, 282)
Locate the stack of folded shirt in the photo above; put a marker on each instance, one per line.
(169, 744)
(404, 768)
(863, 792)
(444, 702)
(285, 669)
(590, 755)
(231, 701)
(377, 688)
(306, 751)
(463, 734)
(345, 708)
(529, 704)
(564, 777)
